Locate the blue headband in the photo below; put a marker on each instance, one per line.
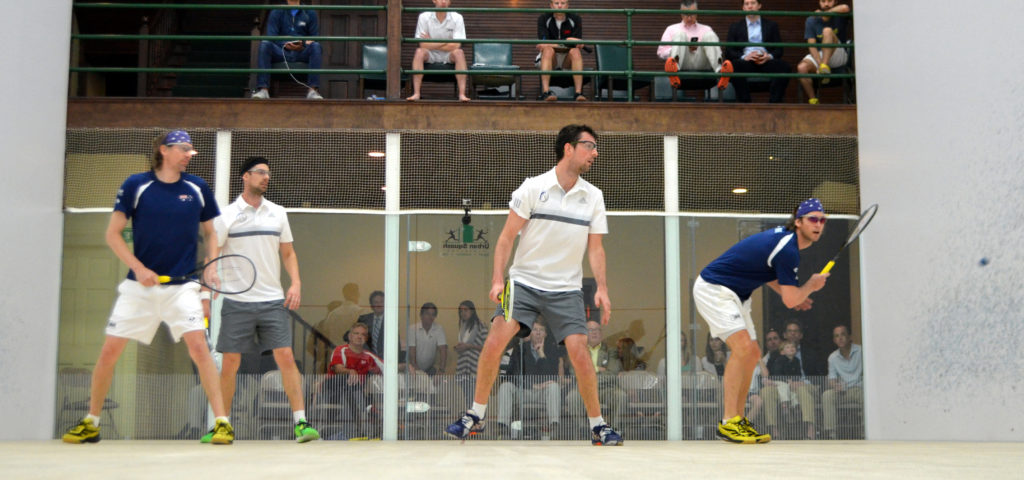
(808, 206)
(176, 137)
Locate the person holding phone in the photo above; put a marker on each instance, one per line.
(295, 22)
(693, 58)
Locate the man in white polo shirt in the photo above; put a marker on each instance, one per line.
(440, 26)
(258, 320)
(559, 216)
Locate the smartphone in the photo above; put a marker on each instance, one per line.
(694, 39)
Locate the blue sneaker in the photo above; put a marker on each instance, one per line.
(604, 434)
(469, 424)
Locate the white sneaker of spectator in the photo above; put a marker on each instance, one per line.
(313, 95)
(261, 94)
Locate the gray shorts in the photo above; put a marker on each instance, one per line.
(563, 312)
(253, 327)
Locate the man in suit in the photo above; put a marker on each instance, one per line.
(755, 58)
(374, 322)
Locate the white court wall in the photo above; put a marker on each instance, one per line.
(33, 95)
(940, 90)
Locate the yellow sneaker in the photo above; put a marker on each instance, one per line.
(758, 437)
(734, 431)
(84, 432)
(223, 433)
(824, 70)
(813, 101)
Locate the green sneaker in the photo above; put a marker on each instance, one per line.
(223, 433)
(207, 438)
(84, 432)
(304, 432)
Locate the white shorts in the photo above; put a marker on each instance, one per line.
(439, 56)
(139, 310)
(838, 59)
(722, 310)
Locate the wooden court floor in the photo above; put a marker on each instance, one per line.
(494, 460)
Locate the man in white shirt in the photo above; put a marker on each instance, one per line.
(440, 26)
(845, 379)
(428, 347)
(559, 216)
(258, 320)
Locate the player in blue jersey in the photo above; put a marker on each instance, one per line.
(722, 296)
(167, 207)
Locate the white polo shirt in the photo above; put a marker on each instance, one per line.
(554, 239)
(426, 343)
(452, 28)
(258, 234)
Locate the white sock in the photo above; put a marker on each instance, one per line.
(94, 418)
(226, 419)
(595, 421)
(299, 415)
(479, 410)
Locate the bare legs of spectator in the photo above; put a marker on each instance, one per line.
(810, 65)
(457, 56)
(418, 60)
(547, 62)
(576, 59)
(738, 371)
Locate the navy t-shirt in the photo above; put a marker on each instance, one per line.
(165, 220)
(756, 260)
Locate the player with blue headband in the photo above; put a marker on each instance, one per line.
(722, 296)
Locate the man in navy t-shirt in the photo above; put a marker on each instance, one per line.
(722, 296)
(167, 207)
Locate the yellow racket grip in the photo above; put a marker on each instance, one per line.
(163, 279)
(828, 266)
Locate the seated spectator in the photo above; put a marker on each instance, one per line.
(556, 56)
(295, 22)
(334, 326)
(607, 366)
(346, 375)
(716, 354)
(472, 334)
(693, 58)
(440, 26)
(845, 378)
(755, 58)
(629, 354)
(534, 374)
(428, 347)
(817, 30)
(802, 390)
(786, 368)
